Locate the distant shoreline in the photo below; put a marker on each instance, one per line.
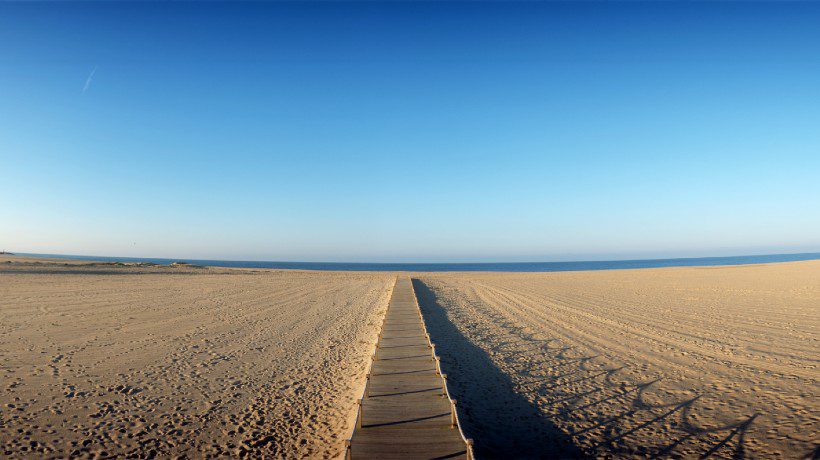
(459, 267)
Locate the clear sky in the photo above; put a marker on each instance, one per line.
(410, 131)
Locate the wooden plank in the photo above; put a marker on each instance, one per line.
(405, 412)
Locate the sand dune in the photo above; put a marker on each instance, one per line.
(682, 362)
(219, 362)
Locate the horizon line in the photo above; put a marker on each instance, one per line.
(484, 262)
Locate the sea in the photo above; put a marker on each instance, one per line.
(469, 266)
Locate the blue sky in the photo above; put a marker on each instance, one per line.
(397, 131)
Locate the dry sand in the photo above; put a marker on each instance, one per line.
(104, 359)
(141, 360)
(684, 362)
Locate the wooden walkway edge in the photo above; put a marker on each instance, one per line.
(406, 410)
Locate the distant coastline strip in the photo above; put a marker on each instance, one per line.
(467, 267)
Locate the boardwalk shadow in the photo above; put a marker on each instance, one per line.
(502, 423)
(607, 410)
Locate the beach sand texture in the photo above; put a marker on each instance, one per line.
(183, 364)
(121, 360)
(685, 362)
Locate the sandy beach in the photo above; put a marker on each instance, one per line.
(122, 360)
(105, 359)
(458, 230)
(684, 362)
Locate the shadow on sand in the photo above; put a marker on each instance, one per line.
(564, 386)
(502, 423)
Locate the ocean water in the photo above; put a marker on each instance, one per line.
(478, 266)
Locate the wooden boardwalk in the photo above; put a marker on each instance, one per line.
(406, 410)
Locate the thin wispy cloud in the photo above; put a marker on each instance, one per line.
(89, 79)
